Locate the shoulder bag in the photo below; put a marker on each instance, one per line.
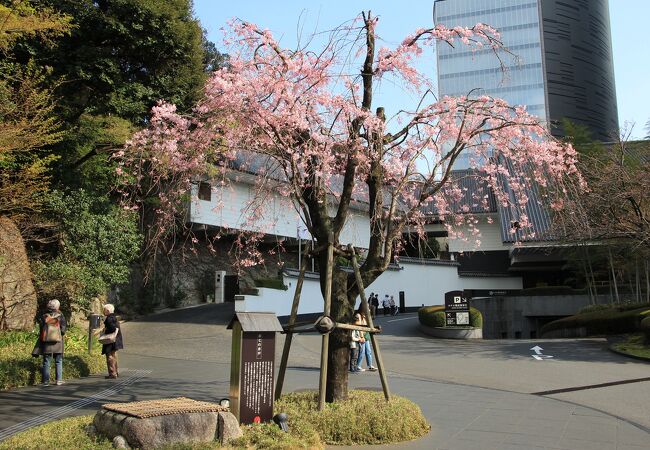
(108, 338)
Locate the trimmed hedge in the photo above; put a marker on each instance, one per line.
(19, 368)
(615, 320)
(434, 316)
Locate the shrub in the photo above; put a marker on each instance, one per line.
(632, 305)
(592, 308)
(635, 345)
(434, 316)
(365, 418)
(175, 299)
(97, 240)
(617, 320)
(271, 283)
(644, 327)
(19, 368)
(614, 307)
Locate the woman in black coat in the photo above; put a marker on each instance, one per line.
(110, 325)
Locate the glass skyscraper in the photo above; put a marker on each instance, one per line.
(460, 70)
(563, 66)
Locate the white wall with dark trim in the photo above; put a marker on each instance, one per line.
(423, 284)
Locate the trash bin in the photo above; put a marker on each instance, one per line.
(94, 322)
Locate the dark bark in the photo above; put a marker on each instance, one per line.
(339, 340)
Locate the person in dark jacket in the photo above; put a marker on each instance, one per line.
(110, 325)
(51, 347)
(374, 305)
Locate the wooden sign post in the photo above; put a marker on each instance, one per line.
(252, 366)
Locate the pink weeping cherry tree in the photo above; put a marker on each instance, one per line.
(309, 116)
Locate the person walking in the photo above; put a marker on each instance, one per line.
(50, 342)
(374, 301)
(355, 337)
(393, 306)
(386, 305)
(371, 305)
(111, 324)
(365, 349)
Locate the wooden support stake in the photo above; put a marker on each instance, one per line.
(292, 320)
(326, 311)
(373, 337)
(297, 324)
(347, 326)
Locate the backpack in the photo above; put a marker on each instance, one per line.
(51, 332)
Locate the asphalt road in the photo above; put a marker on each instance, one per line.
(509, 365)
(470, 390)
(199, 335)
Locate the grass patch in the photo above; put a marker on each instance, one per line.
(365, 418)
(434, 316)
(634, 345)
(619, 319)
(19, 368)
(65, 434)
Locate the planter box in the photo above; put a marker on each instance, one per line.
(453, 332)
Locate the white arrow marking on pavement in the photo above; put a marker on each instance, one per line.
(538, 356)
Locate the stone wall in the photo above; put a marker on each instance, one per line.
(17, 294)
(192, 275)
(187, 277)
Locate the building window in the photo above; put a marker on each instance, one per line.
(205, 191)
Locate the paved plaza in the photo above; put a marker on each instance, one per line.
(476, 395)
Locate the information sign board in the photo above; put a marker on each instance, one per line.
(256, 390)
(456, 309)
(252, 366)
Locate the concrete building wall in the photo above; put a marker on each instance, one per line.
(423, 284)
(231, 207)
(523, 317)
(490, 237)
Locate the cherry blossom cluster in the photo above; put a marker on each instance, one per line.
(308, 114)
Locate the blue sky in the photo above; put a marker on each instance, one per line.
(629, 20)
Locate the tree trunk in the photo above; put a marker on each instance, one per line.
(339, 340)
(637, 280)
(646, 263)
(592, 297)
(611, 264)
